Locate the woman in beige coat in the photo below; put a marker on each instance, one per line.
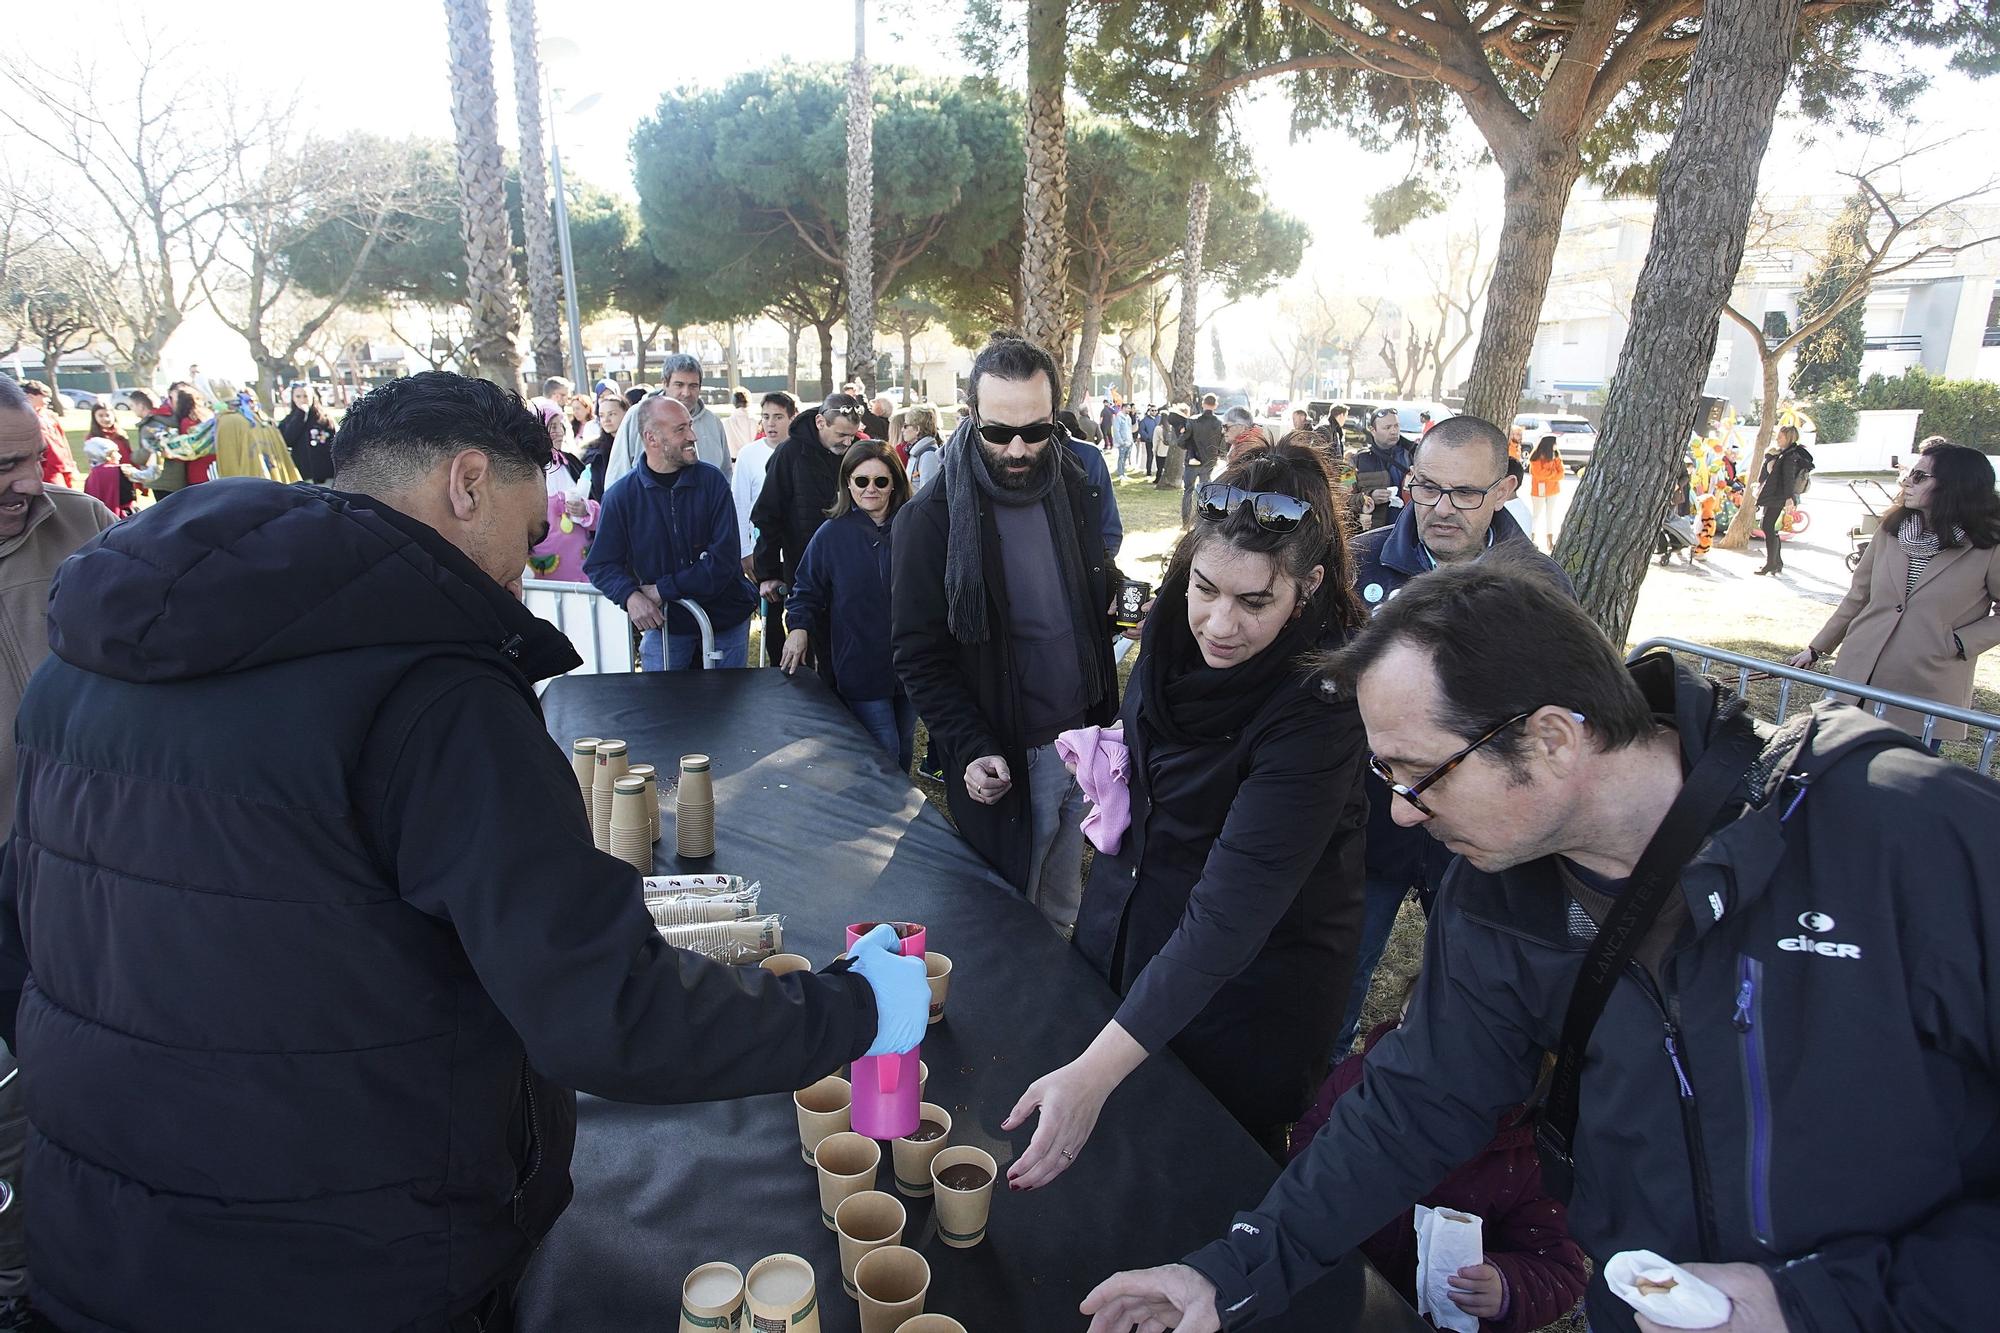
(1921, 609)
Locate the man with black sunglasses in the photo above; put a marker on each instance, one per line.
(1002, 597)
(801, 482)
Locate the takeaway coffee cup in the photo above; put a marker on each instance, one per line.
(694, 809)
(712, 1299)
(866, 1221)
(932, 1323)
(937, 971)
(1132, 595)
(611, 766)
(652, 777)
(780, 1296)
(822, 1111)
(631, 831)
(910, 934)
(963, 1179)
(892, 1282)
(781, 963)
(912, 1154)
(847, 1164)
(583, 758)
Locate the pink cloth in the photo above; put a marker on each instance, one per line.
(560, 556)
(1103, 764)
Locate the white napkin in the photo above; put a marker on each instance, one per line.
(1688, 1303)
(1447, 1240)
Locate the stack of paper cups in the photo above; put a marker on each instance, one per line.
(611, 766)
(694, 808)
(652, 776)
(583, 758)
(631, 831)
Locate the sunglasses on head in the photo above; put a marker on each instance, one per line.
(1033, 433)
(1274, 510)
(872, 483)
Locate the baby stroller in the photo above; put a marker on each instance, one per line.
(1873, 508)
(1677, 537)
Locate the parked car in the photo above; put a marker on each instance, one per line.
(82, 400)
(1576, 438)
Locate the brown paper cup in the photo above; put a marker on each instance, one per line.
(847, 1163)
(866, 1221)
(892, 1282)
(824, 1109)
(932, 1323)
(781, 963)
(937, 971)
(779, 1295)
(583, 758)
(961, 1213)
(912, 1159)
(712, 1299)
(694, 829)
(652, 777)
(697, 784)
(611, 765)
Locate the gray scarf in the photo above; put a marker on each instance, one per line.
(966, 480)
(1920, 542)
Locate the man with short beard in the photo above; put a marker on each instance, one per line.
(1000, 606)
(683, 384)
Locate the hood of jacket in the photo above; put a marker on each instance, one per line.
(242, 573)
(1404, 549)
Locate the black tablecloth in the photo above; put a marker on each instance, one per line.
(807, 805)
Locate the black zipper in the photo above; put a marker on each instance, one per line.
(534, 1139)
(1675, 1047)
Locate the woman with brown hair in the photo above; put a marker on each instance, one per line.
(839, 604)
(1920, 610)
(1229, 913)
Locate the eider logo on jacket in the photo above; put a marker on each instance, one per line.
(1818, 923)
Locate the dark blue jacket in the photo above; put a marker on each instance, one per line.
(1384, 560)
(1098, 473)
(678, 531)
(841, 598)
(308, 937)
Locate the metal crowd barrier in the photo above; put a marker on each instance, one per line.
(1787, 676)
(600, 632)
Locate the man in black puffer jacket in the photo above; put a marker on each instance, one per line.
(308, 937)
(801, 482)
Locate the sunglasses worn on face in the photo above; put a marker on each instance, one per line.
(1413, 792)
(1916, 476)
(871, 483)
(1033, 433)
(1274, 510)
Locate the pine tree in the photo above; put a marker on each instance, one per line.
(1833, 355)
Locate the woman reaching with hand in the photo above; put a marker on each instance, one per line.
(1230, 914)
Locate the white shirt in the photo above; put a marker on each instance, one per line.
(746, 483)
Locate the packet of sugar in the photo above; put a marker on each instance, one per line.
(1665, 1292)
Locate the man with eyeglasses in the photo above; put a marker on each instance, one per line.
(1458, 483)
(1001, 602)
(801, 482)
(1380, 468)
(1765, 960)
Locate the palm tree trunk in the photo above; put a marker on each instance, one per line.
(537, 226)
(1707, 187)
(1044, 203)
(482, 195)
(860, 209)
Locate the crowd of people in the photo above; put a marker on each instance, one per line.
(1673, 995)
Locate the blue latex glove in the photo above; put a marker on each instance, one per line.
(902, 995)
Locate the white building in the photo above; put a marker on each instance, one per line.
(1934, 313)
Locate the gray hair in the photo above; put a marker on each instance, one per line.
(680, 363)
(555, 383)
(1239, 416)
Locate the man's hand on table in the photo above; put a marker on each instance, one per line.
(988, 778)
(1153, 1300)
(644, 611)
(1754, 1300)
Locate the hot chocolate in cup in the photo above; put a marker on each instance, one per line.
(912, 1154)
(963, 1182)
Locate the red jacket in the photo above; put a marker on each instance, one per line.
(58, 463)
(1526, 1232)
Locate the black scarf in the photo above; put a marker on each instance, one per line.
(966, 479)
(1185, 701)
